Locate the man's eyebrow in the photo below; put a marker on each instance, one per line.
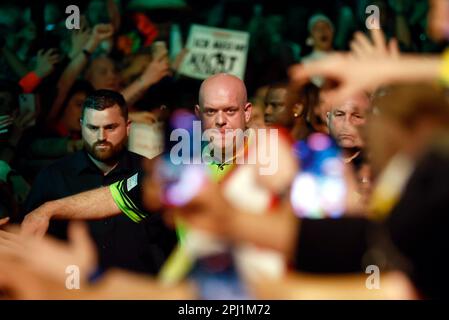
(356, 109)
(114, 124)
(105, 126)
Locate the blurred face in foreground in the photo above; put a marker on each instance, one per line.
(384, 138)
(408, 119)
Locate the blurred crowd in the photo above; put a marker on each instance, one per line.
(359, 120)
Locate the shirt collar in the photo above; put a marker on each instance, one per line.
(243, 151)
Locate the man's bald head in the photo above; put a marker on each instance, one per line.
(223, 84)
(223, 106)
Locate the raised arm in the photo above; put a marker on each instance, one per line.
(158, 68)
(89, 205)
(78, 63)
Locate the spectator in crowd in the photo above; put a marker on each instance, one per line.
(346, 122)
(289, 110)
(321, 38)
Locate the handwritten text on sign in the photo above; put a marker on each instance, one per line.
(213, 50)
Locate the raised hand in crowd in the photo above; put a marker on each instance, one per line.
(45, 63)
(377, 47)
(79, 39)
(158, 68)
(100, 32)
(352, 76)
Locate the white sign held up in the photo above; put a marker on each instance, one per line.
(214, 50)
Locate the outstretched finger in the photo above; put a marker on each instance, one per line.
(393, 48)
(379, 40)
(356, 49)
(329, 67)
(364, 42)
(54, 59)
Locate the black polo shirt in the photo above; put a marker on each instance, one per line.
(120, 242)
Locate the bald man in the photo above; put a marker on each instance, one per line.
(345, 122)
(223, 106)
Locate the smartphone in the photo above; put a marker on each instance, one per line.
(319, 190)
(181, 182)
(27, 104)
(180, 167)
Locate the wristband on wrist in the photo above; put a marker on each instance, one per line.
(29, 82)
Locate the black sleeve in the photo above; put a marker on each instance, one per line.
(331, 245)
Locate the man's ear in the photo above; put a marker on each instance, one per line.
(198, 111)
(248, 109)
(128, 127)
(328, 117)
